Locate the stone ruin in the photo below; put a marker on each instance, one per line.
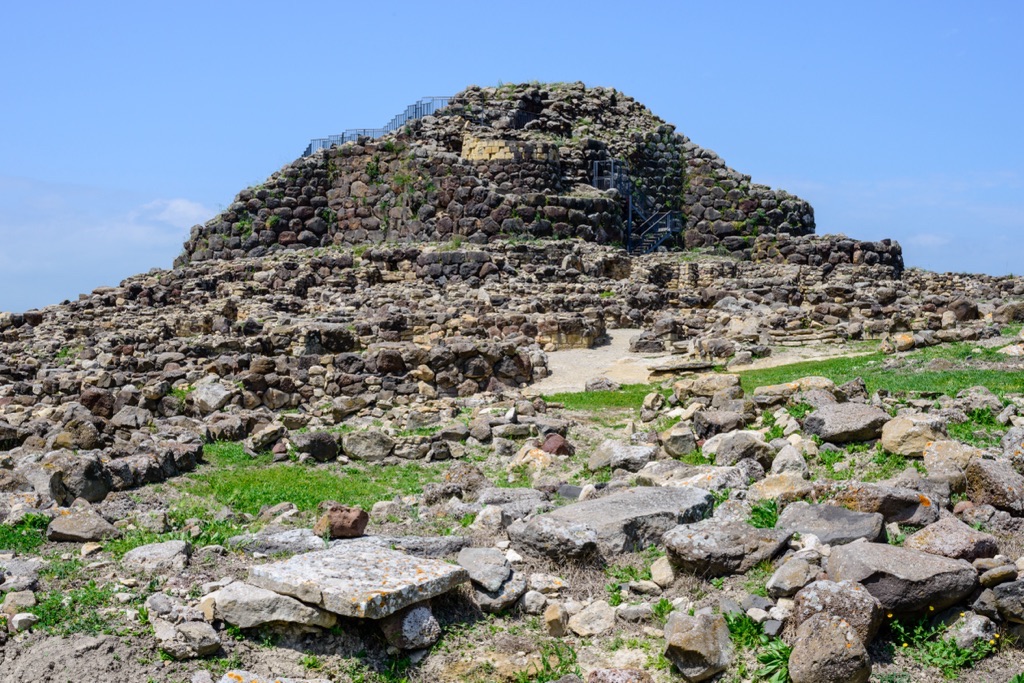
(360, 301)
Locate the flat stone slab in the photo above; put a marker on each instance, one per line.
(240, 676)
(420, 546)
(358, 579)
(618, 523)
(832, 524)
(903, 580)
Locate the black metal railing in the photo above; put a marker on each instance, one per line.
(647, 225)
(416, 110)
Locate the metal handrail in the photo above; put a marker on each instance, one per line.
(609, 173)
(417, 110)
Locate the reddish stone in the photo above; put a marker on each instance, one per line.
(557, 445)
(341, 521)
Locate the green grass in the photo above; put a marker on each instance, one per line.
(557, 660)
(774, 660)
(628, 396)
(249, 489)
(75, 611)
(231, 454)
(928, 645)
(756, 579)
(764, 514)
(981, 429)
(910, 377)
(800, 410)
(26, 535)
(61, 570)
(885, 465)
(744, 632)
(662, 609)
(696, 457)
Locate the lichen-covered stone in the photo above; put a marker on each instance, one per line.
(357, 579)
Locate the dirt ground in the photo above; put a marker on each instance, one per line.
(572, 368)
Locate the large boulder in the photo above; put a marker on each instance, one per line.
(947, 461)
(950, 537)
(320, 446)
(715, 548)
(910, 435)
(678, 441)
(340, 521)
(270, 541)
(487, 567)
(411, 628)
(705, 385)
(159, 557)
(210, 395)
(354, 578)
(502, 598)
(370, 445)
(846, 422)
(1009, 599)
(80, 526)
(707, 423)
(894, 503)
(698, 646)
(730, 448)
(832, 524)
(903, 580)
(618, 455)
(594, 620)
(845, 599)
(828, 650)
(618, 523)
(248, 606)
(996, 483)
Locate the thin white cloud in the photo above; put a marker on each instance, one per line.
(180, 213)
(927, 240)
(60, 240)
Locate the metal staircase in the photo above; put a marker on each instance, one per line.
(416, 110)
(647, 226)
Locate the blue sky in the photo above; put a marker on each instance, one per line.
(125, 123)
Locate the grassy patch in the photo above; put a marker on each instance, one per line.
(696, 457)
(744, 632)
(231, 454)
(557, 660)
(981, 429)
(75, 611)
(885, 465)
(911, 376)
(25, 536)
(764, 514)
(249, 489)
(756, 578)
(629, 396)
(928, 645)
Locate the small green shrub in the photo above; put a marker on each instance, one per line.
(311, 662)
(557, 660)
(800, 410)
(75, 611)
(662, 609)
(756, 578)
(26, 535)
(774, 661)
(925, 643)
(744, 632)
(764, 514)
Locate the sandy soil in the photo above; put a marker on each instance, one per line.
(571, 368)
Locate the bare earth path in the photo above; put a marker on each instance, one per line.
(571, 368)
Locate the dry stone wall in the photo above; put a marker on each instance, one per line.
(499, 162)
